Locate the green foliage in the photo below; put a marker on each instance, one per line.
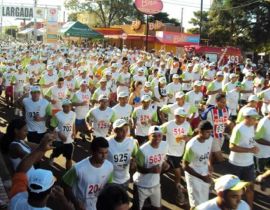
(109, 12)
(164, 17)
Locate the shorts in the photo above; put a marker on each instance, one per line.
(80, 122)
(262, 164)
(217, 145)
(65, 149)
(174, 161)
(245, 173)
(141, 139)
(9, 91)
(141, 194)
(35, 137)
(198, 190)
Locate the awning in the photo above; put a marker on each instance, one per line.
(77, 29)
(26, 31)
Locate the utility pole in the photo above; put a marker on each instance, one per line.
(35, 20)
(2, 5)
(182, 14)
(201, 21)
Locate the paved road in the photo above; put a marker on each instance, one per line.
(262, 200)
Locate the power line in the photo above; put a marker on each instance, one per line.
(184, 4)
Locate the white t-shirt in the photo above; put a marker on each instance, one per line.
(265, 96)
(147, 157)
(172, 89)
(263, 132)
(157, 94)
(119, 155)
(20, 202)
(65, 123)
(247, 85)
(20, 80)
(242, 136)
(213, 86)
(57, 94)
(197, 154)
(80, 97)
(123, 78)
(173, 131)
(232, 101)
(101, 120)
(32, 108)
(212, 205)
(187, 76)
(123, 112)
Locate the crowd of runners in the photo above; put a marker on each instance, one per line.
(145, 114)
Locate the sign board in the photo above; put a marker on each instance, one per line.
(182, 39)
(39, 13)
(149, 7)
(17, 11)
(52, 15)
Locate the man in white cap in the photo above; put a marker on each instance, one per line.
(122, 150)
(231, 84)
(198, 165)
(34, 191)
(7, 82)
(147, 89)
(140, 76)
(81, 101)
(160, 93)
(122, 109)
(37, 111)
(243, 148)
(84, 181)
(48, 79)
(180, 102)
(64, 124)
(187, 78)
(195, 98)
(252, 102)
(264, 96)
(229, 190)
(173, 87)
(178, 132)
(209, 74)
(123, 81)
(56, 94)
(262, 137)
(102, 90)
(214, 88)
(143, 117)
(150, 160)
(100, 118)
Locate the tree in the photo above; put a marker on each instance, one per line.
(109, 12)
(73, 16)
(195, 21)
(164, 17)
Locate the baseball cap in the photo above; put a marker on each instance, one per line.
(44, 179)
(249, 74)
(212, 64)
(108, 72)
(141, 70)
(238, 84)
(146, 98)
(123, 94)
(190, 65)
(253, 98)
(50, 67)
(103, 79)
(102, 97)
(119, 123)
(179, 95)
(229, 182)
(35, 88)
(250, 112)
(114, 65)
(219, 73)
(232, 75)
(180, 112)
(175, 76)
(162, 80)
(147, 84)
(154, 129)
(198, 83)
(66, 102)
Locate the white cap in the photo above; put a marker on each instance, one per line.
(123, 94)
(146, 98)
(42, 178)
(229, 182)
(232, 75)
(219, 73)
(250, 112)
(83, 82)
(179, 95)
(50, 67)
(35, 88)
(154, 129)
(119, 123)
(103, 79)
(114, 65)
(175, 76)
(212, 64)
(147, 84)
(249, 74)
(108, 73)
(253, 98)
(66, 102)
(102, 97)
(180, 111)
(141, 70)
(190, 65)
(162, 80)
(197, 83)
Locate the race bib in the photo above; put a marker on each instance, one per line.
(93, 190)
(102, 124)
(220, 128)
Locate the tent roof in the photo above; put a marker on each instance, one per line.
(78, 29)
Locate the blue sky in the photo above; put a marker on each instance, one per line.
(173, 7)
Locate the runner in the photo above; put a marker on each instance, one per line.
(198, 165)
(84, 181)
(64, 124)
